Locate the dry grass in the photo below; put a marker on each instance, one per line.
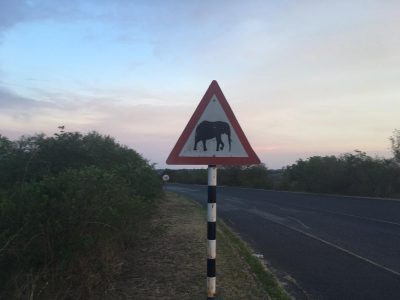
(171, 261)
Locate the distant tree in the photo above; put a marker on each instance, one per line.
(190, 176)
(251, 176)
(350, 173)
(395, 143)
(230, 175)
(256, 176)
(315, 174)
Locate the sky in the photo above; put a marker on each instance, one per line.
(303, 78)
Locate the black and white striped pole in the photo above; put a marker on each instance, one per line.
(211, 231)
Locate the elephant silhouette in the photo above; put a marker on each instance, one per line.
(207, 130)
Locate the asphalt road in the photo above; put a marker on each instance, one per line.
(326, 247)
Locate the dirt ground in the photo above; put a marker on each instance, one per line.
(171, 260)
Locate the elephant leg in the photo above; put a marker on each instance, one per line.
(219, 142)
(204, 145)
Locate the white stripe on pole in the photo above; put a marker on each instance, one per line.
(211, 286)
(212, 212)
(212, 175)
(211, 249)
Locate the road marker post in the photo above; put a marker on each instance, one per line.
(212, 137)
(211, 231)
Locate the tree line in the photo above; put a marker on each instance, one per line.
(256, 176)
(70, 206)
(348, 174)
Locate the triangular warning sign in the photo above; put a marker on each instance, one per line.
(213, 136)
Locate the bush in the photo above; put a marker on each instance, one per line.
(351, 174)
(251, 176)
(70, 207)
(191, 176)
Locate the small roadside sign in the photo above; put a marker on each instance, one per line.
(213, 135)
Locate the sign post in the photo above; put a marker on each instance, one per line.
(212, 137)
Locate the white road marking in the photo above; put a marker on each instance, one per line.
(320, 194)
(280, 221)
(298, 208)
(361, 218)
(348, 252)
(300, 222)
(238, 200)
(268, 216)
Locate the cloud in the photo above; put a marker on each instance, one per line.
(151, 129)
(14, 12)
(11, 12)
(10, 101)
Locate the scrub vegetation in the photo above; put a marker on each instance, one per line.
(256, 176)
(348, 174)
(70, 207)
(173, 265)
(83, 217)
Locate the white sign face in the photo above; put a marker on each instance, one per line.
(213, 135)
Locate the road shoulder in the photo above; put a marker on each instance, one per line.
(170, 262)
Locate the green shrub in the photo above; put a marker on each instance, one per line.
(351, 174)
(250, 176)
(70, 207)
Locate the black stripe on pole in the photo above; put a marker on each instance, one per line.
(211, 230)
(210, 267)
(212, 194)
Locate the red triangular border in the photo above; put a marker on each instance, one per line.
(175, 159)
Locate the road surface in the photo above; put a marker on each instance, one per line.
(325, 247)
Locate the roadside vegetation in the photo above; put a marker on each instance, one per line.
(70, 207)
(256, 176)
(347, 174)
(83, 217)
(173, 265)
